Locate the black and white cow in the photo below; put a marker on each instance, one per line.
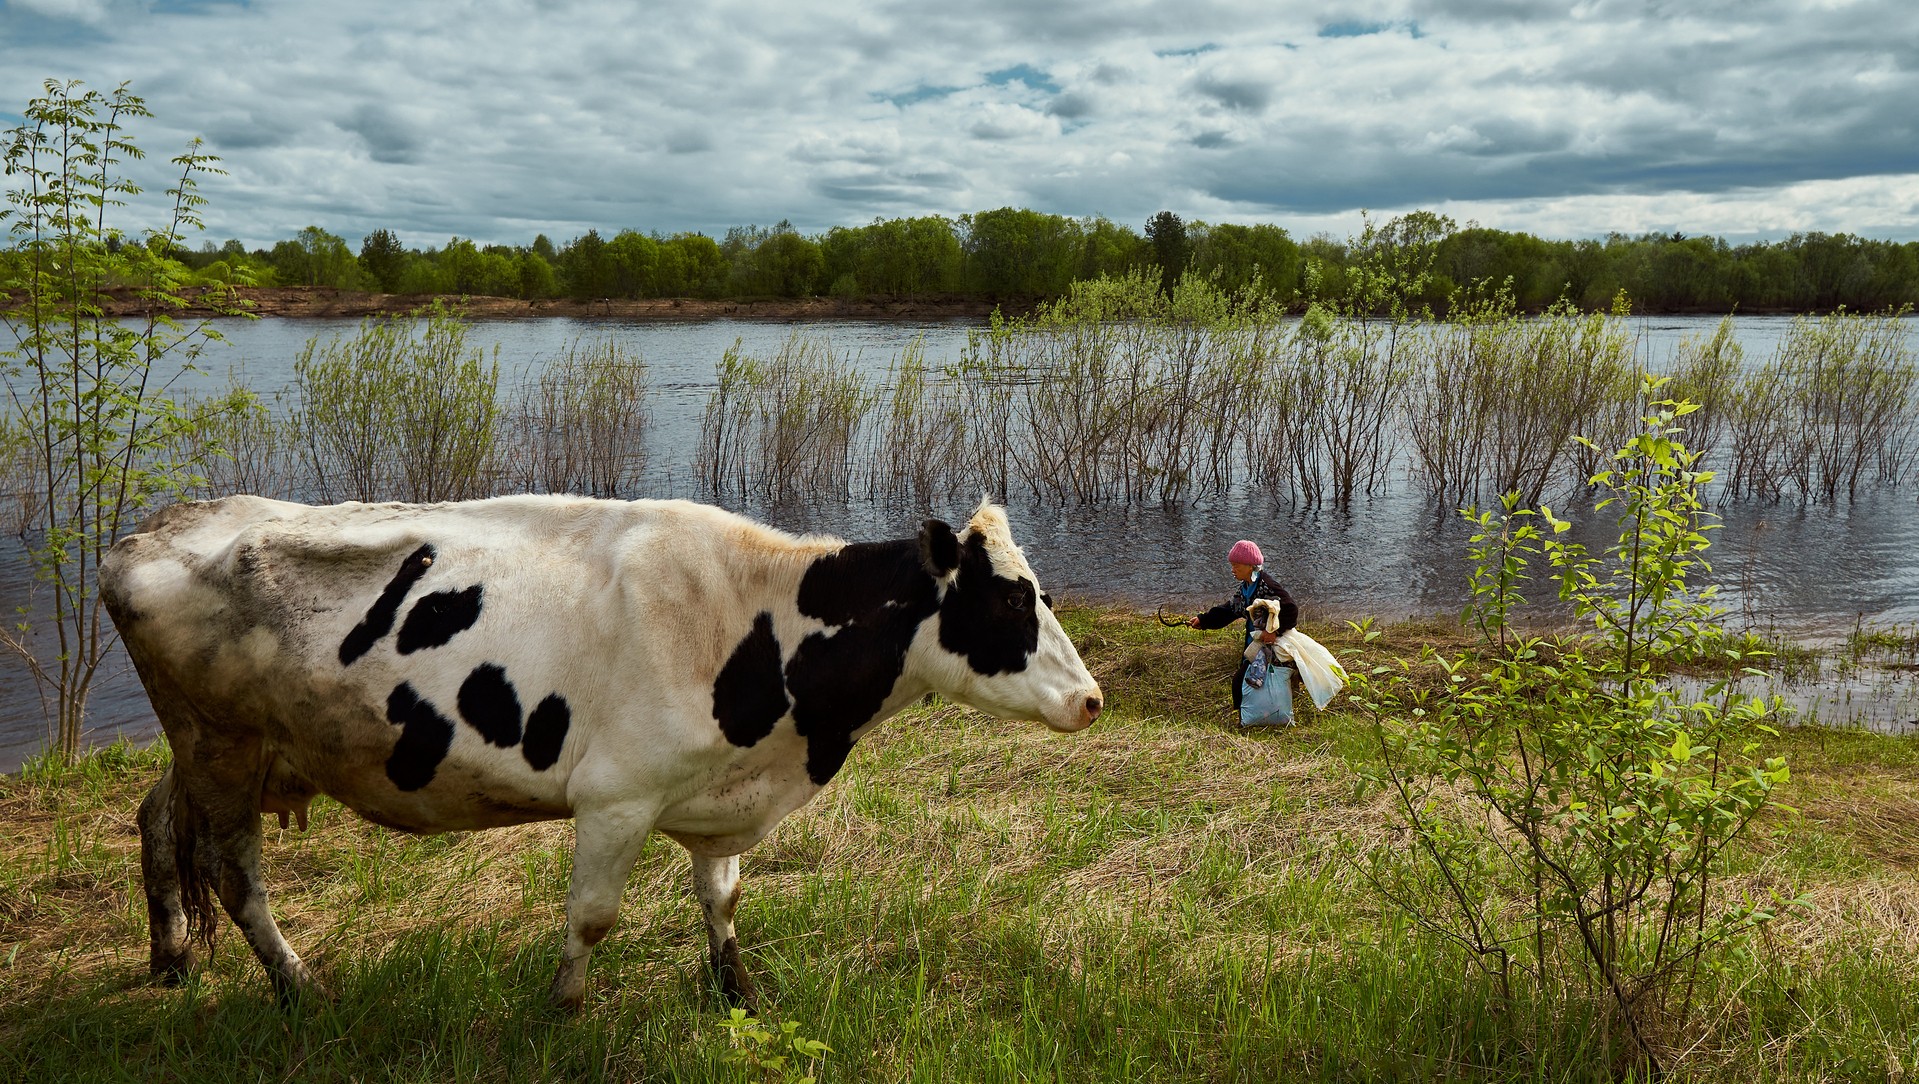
(632, 665)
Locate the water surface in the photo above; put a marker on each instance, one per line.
(1806, 572)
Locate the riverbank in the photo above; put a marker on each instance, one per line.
(325, 301)
(1161, 896)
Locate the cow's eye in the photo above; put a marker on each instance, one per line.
(1016, 599)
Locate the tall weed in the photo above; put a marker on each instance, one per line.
(580, 426)
(785, 426)
(922, 436)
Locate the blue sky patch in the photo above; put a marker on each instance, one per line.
(1023, 73)
(921, 93)
(1354, 28)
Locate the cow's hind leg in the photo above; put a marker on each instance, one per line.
(167, 921)
(716, 881)
(226, 811)
(605, 846)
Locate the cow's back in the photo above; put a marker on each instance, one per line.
(435, 666)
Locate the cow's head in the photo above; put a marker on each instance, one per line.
(998, 647)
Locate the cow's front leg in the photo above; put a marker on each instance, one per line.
(605, 846)
(716, 881)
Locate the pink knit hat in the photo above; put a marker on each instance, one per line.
(1245, 553)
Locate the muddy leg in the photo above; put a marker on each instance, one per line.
(716, 881)
(605, 846)
(226, 805)
(172, 949)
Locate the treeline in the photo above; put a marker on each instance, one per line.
(1017, 253)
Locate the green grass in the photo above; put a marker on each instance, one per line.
(1160, 897)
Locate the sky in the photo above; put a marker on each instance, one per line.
(498, 120)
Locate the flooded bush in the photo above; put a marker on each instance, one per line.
(922, 437)
(1833, 410)
(1569, 373)
(1707, 372)
(20, 478)
(1117, 392)
(1496, 399)
(785, 426)
(236, 444)
(580, 425)
(401, 411)
(1454, 393)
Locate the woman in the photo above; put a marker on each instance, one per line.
(1249, 569)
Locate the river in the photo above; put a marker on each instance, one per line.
(1805, 571)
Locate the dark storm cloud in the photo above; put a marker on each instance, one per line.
(874, 187)
(1250, 95)
(389, 138)
(1073, 105)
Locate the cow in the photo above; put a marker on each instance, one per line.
(633, 665)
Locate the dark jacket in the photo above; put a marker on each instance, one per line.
(1234, 608)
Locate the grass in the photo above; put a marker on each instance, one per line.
(1159, 897)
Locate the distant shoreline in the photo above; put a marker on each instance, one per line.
(325, 301)
(329, 302)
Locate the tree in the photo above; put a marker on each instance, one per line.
(1167, 234)
(1013, 252)
(1237, 256)
(586, 270)
(382, 256)
(634, 257)
(86, 387)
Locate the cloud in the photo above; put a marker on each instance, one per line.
(390, 136)
(1001, 122)
(502, 118)
(79, 11)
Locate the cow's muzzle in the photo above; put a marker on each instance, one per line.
(1081, 710)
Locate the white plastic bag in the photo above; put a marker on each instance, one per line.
(1318, 670)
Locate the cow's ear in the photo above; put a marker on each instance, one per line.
(939, 548)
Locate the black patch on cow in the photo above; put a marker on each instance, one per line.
(749, 696)
(546, 732)
(987, 617)
(490, 704)
(876, 594)
(379, 617)
(438, 618)
(426, 737)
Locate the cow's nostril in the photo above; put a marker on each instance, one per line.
(1092, 707)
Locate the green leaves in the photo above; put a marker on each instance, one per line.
(1580, 815)
(763, 1053)
(85, 406)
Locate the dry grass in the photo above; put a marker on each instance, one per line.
(954, 854)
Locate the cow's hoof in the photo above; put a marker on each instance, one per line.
(735, 990)
(306, 993)
(170, 968)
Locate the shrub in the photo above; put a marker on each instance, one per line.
(1572, 819)
(401, 411)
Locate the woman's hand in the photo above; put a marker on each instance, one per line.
(1269, 637)
(1192, 623)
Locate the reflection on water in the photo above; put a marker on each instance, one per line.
(1882, 697)
(1809, 573)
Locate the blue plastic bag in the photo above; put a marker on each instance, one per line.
(1270, 703)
